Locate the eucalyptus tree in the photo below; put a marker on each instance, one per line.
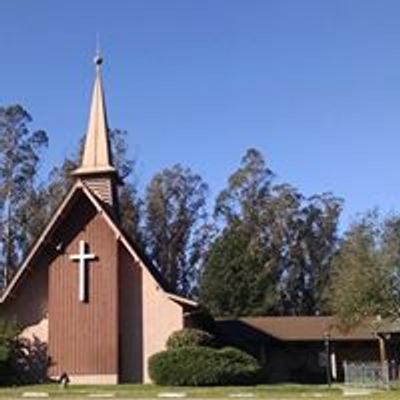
(175, 227)
(20, 150)
(274, 251)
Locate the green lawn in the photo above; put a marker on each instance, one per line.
(270, 392)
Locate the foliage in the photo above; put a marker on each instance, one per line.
(234, 280)
(273, 253)
(203, 366)
(190, 337)
(175, 229)
(130, 208)
(8, 333)
(19, 160)
(366, 274)
(130, 204)
(201, 318)
(44, 200)
(28, 362)
(22, 360)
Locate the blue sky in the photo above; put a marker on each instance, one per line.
(315, 85)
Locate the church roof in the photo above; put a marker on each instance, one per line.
(43, 239)
(96, 157)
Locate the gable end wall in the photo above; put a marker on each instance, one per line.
(83, 337)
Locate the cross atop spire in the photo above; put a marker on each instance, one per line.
(96, 169)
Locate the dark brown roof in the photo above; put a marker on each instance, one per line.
(312, 328)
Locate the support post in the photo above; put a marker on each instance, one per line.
(382, 349)
(327, 338)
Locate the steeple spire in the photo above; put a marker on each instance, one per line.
(96, 153)
(96, 169)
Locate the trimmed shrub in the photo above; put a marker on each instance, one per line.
(203, 366)
(188, 337)
(240, 366)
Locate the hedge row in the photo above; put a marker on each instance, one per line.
(203, 366)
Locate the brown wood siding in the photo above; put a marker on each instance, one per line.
(83, 337)
(130, 318)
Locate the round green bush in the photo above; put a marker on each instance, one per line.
(190, 337)
(203, 366)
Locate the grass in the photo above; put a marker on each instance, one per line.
(270, 392)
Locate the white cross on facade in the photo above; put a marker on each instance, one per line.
(82, 257)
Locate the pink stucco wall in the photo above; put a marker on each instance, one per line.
(161, 317)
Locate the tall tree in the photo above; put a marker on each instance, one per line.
(274, 251)
(365, 279)
(174, 228)
(239, 273)
(19, 160)
(309, 241)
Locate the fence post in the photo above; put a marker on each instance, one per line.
(345, 372)
(385, 375)
(363, 373)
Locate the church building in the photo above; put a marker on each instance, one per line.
(84, 289)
